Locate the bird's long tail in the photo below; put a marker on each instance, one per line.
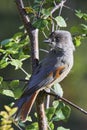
(24, 105)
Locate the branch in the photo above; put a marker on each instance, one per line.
(61, 4)
(68, 102)
(33, 34)
(22, 80)
(41, 111)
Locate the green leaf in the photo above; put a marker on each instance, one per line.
(40, 23)
(30, 10)
(59, 116)
(66, 111)
(11, 51)
(1, 79)
(58, 89)
(17, 35)
(14, 83)
(23, 57)
(77, 41)
(3, 63)
(79, 13)
(46, 13)
(62, 112)
(84, 27)
(16, 63)
(7, 108)
(6, 41)
(29, 118)
(8, 93)
(50, 112)
(62, 128)
(55, 104)
(1, 50)
(33, 126)
(60, 21)
(51, 125)
(12, 111)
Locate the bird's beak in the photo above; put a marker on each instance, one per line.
(47, 41)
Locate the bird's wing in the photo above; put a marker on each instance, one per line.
(47, 71)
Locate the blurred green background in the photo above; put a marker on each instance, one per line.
(75, 85)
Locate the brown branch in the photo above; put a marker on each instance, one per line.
(33, 34)
(41, 111)
(31, 31)
(68, 102)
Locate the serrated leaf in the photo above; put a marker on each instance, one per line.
(62, 128)
(58, 89)
(60, 21)
(16, 63)
(8, 93)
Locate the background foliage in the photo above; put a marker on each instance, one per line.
(17, 55)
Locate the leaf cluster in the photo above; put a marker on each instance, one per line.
(14, 50)
(6, 118)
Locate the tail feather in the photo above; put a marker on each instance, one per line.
(24, 105)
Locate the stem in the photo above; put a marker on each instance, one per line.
(68, 102)
(33, 34)
(41, 111)
(23, 80)
(25, 72)
(61, 4)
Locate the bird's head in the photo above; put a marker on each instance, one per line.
(60, 39)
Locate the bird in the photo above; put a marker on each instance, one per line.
(52, 69)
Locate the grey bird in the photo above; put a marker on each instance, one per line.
(52, 69)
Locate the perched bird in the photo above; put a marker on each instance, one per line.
(52, 69)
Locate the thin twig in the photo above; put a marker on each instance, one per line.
(40, 8)
(22, 80)
(68, 102)
(44, 50)
(58, 6)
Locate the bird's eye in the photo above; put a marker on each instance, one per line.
(57, 39)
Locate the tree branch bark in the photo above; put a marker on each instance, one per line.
(33, 34)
